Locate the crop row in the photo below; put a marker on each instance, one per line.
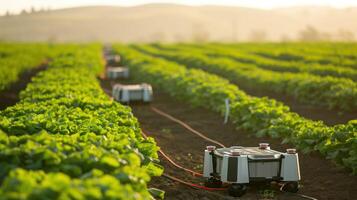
(314, 90)
(275, 65)
(66, 139)
(337, 54)
(18, 58)
(261, 116)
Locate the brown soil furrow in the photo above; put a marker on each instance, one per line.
(10, 96)
(320, 177)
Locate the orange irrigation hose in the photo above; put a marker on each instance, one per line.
(185, 126)
(188, 170)
(192, 184)
(206, 138)
(173, 162)
(185, 169)
(179, 166)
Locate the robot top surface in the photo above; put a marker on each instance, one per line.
(133, 86)
(251, 152)
(117, 69)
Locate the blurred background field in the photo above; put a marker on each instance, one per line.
(179, 23)
(288, 69)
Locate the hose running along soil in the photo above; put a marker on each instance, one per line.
(158, 111)
(193, 185)
(174, 163)
(185, 169)
(162, 113)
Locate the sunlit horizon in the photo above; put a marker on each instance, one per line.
(16, 6)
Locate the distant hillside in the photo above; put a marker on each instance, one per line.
(169, 22)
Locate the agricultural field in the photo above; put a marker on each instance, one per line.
(63, 136)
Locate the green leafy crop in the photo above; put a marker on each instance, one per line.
(329, 91)
(261, 116)
(66, 139)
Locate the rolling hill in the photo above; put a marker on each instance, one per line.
(171, 22)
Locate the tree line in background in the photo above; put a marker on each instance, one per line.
(30, 11)
(310, 33)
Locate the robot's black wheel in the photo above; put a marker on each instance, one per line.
(213, 183)
(290, 187)
(237, 190)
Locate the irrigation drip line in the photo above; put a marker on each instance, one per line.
(173, 162)
(193, 184)
(305, 196)
(196, 186)
(298, 195)
(162, 113)
(179, 166)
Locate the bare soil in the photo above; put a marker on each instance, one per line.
(320, 177)
(314, 112)
(329, 117)
(10, 96)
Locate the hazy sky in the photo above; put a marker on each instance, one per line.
(17, 5)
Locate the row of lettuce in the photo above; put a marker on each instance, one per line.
(342, 55)
(329, 92)
(270, 62)
(66, 139)
(16, 59)
(261, 116)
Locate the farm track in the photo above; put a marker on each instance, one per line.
(10, 96)
(320, 177)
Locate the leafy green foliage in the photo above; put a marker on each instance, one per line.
(66, 139)
(285, 58)
(95, 185)
(157, 193)
(15, 59)
(326, 91)
(261, 116)
(338, 55)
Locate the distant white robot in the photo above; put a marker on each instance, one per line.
(137, 92)
(117, 72)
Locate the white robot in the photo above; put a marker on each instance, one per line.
(117, 72)
(238, 166)
(137, 92)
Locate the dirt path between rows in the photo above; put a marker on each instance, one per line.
(314, 112)
(329, 117)
(10, 96)
(320, 178)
